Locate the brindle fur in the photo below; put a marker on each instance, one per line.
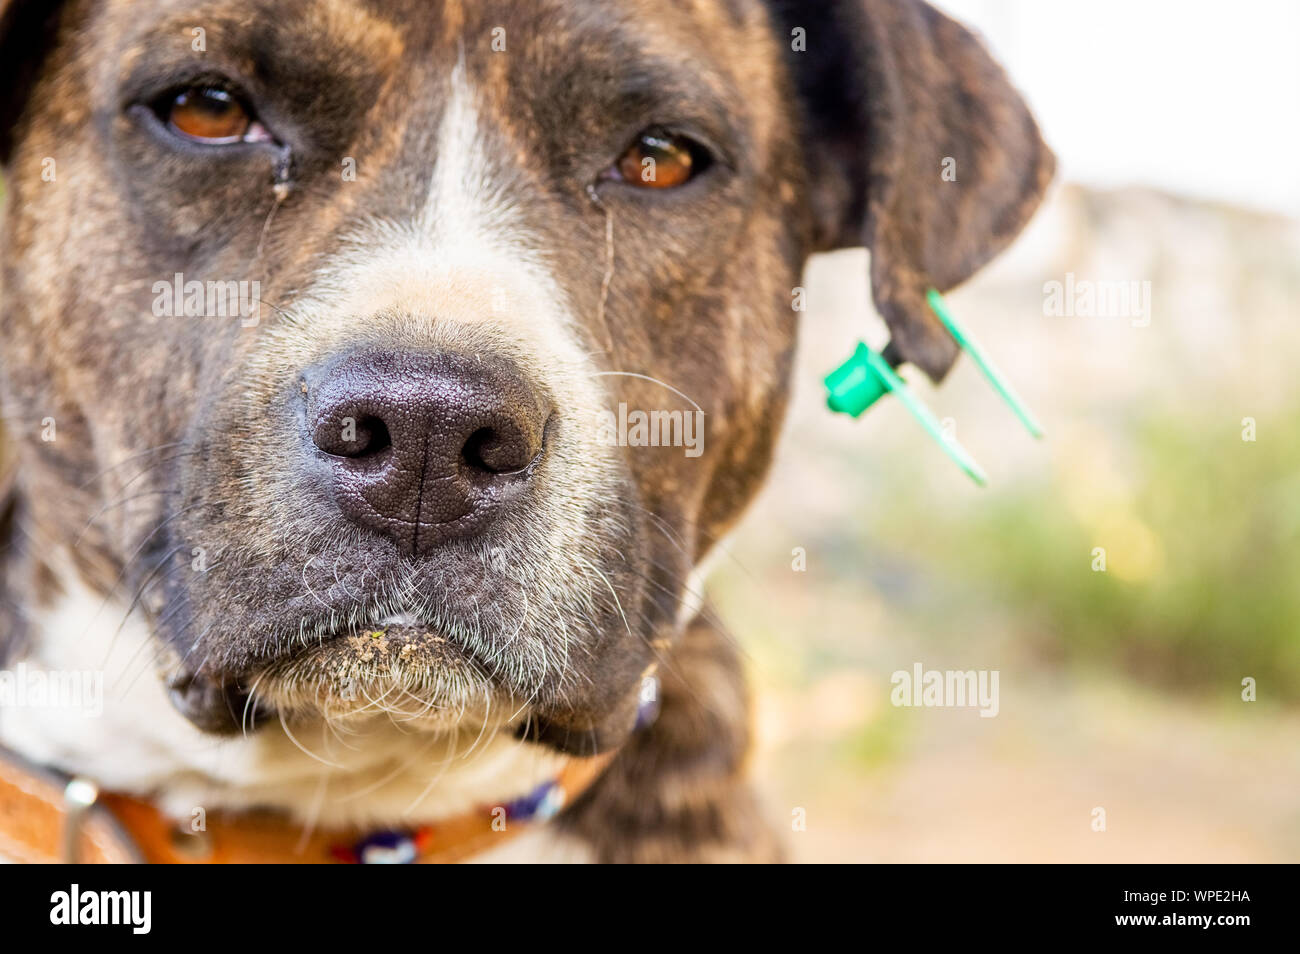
(838, 145)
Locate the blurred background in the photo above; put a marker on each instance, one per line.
(1174, 124)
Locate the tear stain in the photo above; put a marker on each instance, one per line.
(608, 278)
(281, 189)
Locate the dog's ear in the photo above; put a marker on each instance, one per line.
(27, 29)
(918, 148)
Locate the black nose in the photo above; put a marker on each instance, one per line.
(423, 448)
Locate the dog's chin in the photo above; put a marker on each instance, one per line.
(400, 673)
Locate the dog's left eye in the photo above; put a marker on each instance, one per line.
(212, 115)
(660, 159)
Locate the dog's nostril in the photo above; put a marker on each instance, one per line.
(472, 453)
(352, 435)
(497, 452)
(371, 437)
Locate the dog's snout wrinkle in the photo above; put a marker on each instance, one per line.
(423, 448)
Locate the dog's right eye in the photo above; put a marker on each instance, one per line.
(212, 115)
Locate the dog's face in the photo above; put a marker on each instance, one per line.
(484, 236)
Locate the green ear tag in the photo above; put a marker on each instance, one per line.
(863, 379)
(854, 386)
(866, 377)
(987, 368)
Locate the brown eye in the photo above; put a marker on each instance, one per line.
(208, 114)
(661, 160)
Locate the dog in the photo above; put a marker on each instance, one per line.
(315, 313)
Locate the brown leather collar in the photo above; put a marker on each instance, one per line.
(48, 818)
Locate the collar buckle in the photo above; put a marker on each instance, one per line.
(79, 796)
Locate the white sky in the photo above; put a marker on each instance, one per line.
(1196, 97)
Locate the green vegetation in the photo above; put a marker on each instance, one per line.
(1202, 579)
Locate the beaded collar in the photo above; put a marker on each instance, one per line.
(48, 818)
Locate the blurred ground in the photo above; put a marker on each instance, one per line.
(1120, 690)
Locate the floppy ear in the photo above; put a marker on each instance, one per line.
(27, 29)
(893, 94)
